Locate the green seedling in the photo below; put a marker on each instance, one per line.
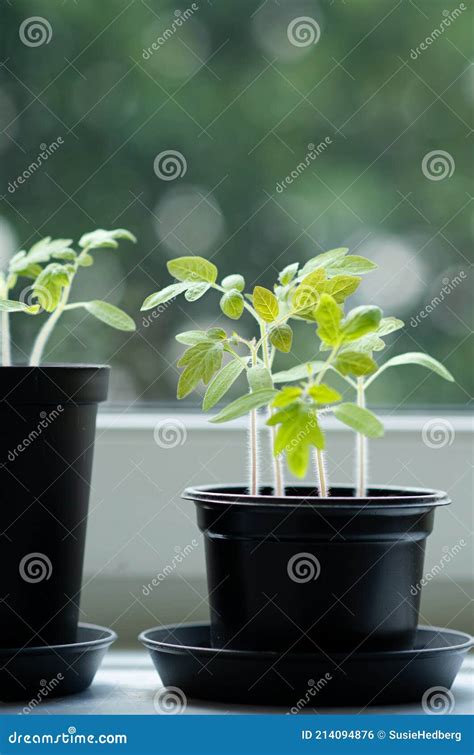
(52, 265)
(314, 294)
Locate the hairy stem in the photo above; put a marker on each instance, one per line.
(278, 485)
(321, 474)
(361, 446)
(253, 442)
(47, 329)
(5, 345)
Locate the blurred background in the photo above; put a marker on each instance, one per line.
(241, 91)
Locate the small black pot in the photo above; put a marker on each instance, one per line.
(304, 574)
(47, 429)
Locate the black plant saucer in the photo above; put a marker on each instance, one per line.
(184, 659)
(33, 674)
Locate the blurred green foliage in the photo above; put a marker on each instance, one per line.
(241, 103)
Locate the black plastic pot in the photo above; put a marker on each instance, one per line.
(47, 429)
(305, 574)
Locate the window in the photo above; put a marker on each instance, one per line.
(288, 137)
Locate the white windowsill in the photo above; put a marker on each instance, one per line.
(147, 420)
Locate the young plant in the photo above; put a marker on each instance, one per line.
(52, 265)
(294, 297)
(316, 295)
(354, 362)
(302, 406)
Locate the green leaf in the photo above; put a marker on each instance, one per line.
(232, 304)
(297, 458)
(243, 405)
(328, 315)
(418, 358)
(351, 265)
(111, 315)
(233, 281)
(85, 260)
(196, 290)
(66, 255)
(286, 396)
(300, 372)
(299, 429)
(265, 304)
(166, 294)
(359, 321)
(191, 337)
(365, 345)
(8, 305)
(389, 325)
(221, 382)
(259, 379)
(341, 286)
(101, 238)
(50, 284)
(324, 394)
(355, 363)
(200, 362)
(306, 295)
(288, 273)
(192, 269)
(324, 260)
(281, 337)
(361, 420)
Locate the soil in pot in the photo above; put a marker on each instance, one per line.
(47, 430)
(306, 574)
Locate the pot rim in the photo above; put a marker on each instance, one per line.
(56, 366)
(110, 636)
(173, 647)
(233, 494)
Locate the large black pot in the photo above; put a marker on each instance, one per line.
(47, 429)
(301, 573)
